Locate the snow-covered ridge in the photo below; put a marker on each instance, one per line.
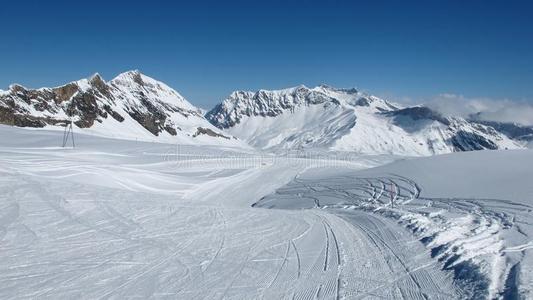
(131, 106)
(273, 103)
(135, 106)
(347, 120)
(134, 81)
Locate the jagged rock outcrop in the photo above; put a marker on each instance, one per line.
(273, 103)
(132, 105)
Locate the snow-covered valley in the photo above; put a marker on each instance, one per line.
(125, 219)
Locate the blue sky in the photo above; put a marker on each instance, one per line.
(206, 49)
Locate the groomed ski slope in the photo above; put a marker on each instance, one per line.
(472, 211)
(117, 219)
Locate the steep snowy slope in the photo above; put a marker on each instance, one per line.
(348, 120)
(131, 106)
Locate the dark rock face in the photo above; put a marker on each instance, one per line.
(170, 130)
(7, 117)
(512, 130)
(207, 131)
(264, 103)
(362, 102)
(131, 97)
(469, 141)
(150, 122)
(69, 99)
(137, 78)
(420, 113)
(65, 92)
(85, 106)
(94, 102)
(463, 135)
(113, 113)
(150, 117)
(101, 86)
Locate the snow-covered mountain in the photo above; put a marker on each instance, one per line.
(131, 106)
(135, 106)
(518, 132)
(347, 120)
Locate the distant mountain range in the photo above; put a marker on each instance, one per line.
(135, 106)
(348, 120)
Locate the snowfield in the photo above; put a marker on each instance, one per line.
(472, 211)
(124, 219)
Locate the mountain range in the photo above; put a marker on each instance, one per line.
(348, 120)
(135, 106)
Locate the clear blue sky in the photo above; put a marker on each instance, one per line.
(207, 49)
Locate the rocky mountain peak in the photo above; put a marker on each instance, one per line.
(136, 76)
(96, 79)
(130, 105)
(326, 88)
(347, 120)
(272, 103)
(15, 87)
(130, 76)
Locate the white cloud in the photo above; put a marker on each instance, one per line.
(501, 110)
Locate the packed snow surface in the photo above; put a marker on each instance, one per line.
(473, 211)
(125, 219)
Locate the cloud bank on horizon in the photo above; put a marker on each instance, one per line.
(486, 109)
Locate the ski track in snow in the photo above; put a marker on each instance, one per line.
(118, 221)
(122, 221)
(468, 237)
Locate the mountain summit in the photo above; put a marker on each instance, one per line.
(347, 120)
(132, 105)
(135, 106)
